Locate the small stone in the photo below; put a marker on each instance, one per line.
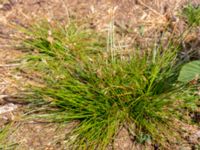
(6, 7)
(194, 139)
(7, 108)
(198, 134)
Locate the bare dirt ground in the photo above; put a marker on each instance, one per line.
(151, 15)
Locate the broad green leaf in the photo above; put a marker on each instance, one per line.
(190, 72)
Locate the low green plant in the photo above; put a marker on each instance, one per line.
(192, 14)
(82, 81)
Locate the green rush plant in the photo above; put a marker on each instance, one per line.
(82, 81)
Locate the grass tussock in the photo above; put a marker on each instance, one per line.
(103, 88)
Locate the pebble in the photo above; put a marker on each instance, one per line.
(7, 108)
(194, 139)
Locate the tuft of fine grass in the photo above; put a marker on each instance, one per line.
(82, 82)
